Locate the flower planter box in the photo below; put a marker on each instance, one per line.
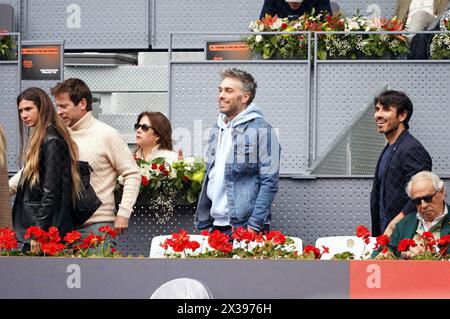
(145, 223)
(89, 278)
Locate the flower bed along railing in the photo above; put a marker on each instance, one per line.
(50, 243)
(348, 44)
(440, 44)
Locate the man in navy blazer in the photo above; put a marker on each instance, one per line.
(402, 158)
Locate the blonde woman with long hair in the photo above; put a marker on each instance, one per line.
(49, 183)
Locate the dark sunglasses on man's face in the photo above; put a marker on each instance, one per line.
(144, 127)
(426, 198)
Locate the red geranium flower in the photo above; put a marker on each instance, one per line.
(7, 239)
(362, 231)
(429, 240)
(179, 242)
(238, 234)
(243, 234)
(72, 237)
(193, 245)
(154, 166)
(404, 244)
(443, 243)
(53, 234)
(276, 237)
(205, 233)
(382, 240)
(259, 238)
(36, 233)
(144, 181)
(310, 248)
(444, 240)
(91, 241)
(51, 248)
(166, 244)
(108, 230)
(220, 241)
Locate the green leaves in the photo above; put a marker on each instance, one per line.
(322, 54)
(346, 255)
(7, 46)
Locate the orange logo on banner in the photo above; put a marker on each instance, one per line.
(27, 64)
(399, 279)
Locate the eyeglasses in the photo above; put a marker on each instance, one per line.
(144, 127)
(427, 199)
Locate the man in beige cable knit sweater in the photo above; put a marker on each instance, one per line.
(106, 152)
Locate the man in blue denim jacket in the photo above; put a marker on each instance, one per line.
(243, 161)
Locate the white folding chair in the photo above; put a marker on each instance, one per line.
(156, 251)
(340, 244)
(182, 288)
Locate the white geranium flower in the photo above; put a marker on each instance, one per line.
(258, 38)
(277, 24)
(352, 25)
(145, 170)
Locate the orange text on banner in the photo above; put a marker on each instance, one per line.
(228, 47)
(41, 51)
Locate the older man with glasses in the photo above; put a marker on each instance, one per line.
(427, 192)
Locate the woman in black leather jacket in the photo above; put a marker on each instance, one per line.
(50, 181)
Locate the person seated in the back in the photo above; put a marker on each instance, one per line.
(294, 8)
(420, 15)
